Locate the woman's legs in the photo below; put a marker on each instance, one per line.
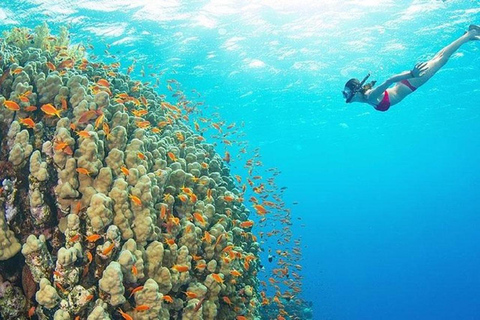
(441, 58)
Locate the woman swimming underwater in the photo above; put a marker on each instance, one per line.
(383, 97)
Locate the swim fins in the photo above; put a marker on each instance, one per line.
(476, 28)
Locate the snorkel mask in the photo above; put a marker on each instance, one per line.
(354, 87)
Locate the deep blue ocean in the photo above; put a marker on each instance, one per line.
(386, 204)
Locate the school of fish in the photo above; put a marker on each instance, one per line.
(280, 279)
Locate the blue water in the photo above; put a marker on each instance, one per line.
(388, 202)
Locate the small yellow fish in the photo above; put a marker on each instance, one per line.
(50, 110)
(27, 122)
(83, 171)
(11, 105)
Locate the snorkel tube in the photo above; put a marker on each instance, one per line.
(357, 88)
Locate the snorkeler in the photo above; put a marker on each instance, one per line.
(382, 97)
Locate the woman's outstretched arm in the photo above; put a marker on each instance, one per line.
(417, 71)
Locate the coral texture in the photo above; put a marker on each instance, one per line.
(121, 210)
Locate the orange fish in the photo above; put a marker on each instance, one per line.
(190, 294)
(175, 220)
(134, 270)
(183, 198)
(180, 268)
(141, 156)
(143, 124)
(235, 273)
(139, 113)
(170, 242)
(108, 249)
(227, 157)
(104, 83)
(30, 108)
(99, 120)
(50, 110)
(65, 64)
(201, 266)
(162, 124)
(64, 104)
(193, 197)
(217, 126)
(163, 211)
(50, 66)
(75, 238)
(106, 129)
(196, 257)
(11, 105)
(136, 290)
(17, 71)
(227, 248)
(124, 315)
(83, 171)
(246, 224)
(87, 116)
(27, 122)
(93, 238)
(142, 307)
(186, 190)
(167, 298)
(31, 311)
(209, 194)
(89, 257)
(199, 218)
(23, 98)
(171, 155)
(227, 300)
(217, 277)
(84, 134)
(207, 237)
(67, 150)
(125, 171)
(260, 209)
(169, 106)
(220, 237)
(228, 198)
(179, 136)
(135, 200)
(122, 95)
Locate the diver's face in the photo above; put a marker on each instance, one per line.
(347, 94)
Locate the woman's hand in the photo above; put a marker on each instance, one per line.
(419, 70)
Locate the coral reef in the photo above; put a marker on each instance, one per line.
(118, 208)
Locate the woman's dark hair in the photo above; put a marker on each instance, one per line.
(353, 84)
